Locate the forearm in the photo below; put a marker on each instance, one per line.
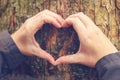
(109, 67)
(10, 56)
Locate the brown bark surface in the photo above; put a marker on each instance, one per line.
(105, 13)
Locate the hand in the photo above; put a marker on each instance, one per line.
(24, 37)
(93, 43)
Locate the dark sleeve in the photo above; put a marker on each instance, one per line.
(10, 56)
(108, 67)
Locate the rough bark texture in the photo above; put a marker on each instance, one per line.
(105, 13)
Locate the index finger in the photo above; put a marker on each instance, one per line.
(77, 25)
(86, 20)
(58, 18)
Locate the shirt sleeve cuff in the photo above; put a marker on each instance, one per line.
(107, 63)
(11, 53)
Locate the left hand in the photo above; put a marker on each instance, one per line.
(94, 45)
(24, 37)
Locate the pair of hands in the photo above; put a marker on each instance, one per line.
(94, 44)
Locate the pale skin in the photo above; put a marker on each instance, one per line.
(24, 37)
(93, 43)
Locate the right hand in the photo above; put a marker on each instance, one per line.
(93, 43)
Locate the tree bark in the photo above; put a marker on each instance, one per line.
(58, 42)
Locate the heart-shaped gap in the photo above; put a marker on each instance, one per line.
(58, 42)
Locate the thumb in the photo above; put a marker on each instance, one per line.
(70, 59)
(45, 55)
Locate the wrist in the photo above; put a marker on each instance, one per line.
(17, 39)
(112, 51)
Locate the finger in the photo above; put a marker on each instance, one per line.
(47, 19)
(43, 54)
(86, 20)
(70, 59)
(52, 20)
(74, 16)
(58, 18)
(77, 25)
(68, 22)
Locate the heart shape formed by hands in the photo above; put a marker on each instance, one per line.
(83, 26)
(87, 52)
(62, 41)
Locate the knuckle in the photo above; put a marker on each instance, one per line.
(27, 21)
(77, 19)
(59, 16)
(43, 16)
(46, 11)
(80, 13)
(74, 20)
(73, 15)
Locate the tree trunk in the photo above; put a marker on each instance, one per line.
(58, 42)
